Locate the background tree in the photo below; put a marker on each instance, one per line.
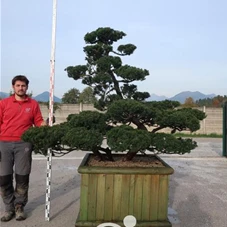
(87, 96)
(204, 102)
(71, 96)
(56, 105)
(217, 101)
(126, 118)
(189, 102)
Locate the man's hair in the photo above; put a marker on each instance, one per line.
(20, 78)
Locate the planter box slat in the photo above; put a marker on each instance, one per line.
(92, 196)
(131, 194)
(146, 197)
(124, 195)
(84, 197)
(163, 200)
(138, 196)
(154, 197)
(117, 197)
(101, 189)
(109, 196)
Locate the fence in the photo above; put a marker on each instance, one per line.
(213, 123)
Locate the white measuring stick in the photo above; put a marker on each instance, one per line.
(51, 112)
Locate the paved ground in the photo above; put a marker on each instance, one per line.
(198, 189)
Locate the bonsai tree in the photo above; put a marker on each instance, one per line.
(123, 117)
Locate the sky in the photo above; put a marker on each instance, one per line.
(183, 44)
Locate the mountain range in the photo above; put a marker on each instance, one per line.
(182, 96)
(44, 97)
(196, 95)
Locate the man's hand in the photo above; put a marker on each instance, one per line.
(43, 123)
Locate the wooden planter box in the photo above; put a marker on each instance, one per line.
(109, 194)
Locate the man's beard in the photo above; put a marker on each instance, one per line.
(21, 93)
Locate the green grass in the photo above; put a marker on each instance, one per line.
(211, 135)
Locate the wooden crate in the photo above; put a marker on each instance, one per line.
(109, 194)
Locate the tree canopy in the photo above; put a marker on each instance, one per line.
(87, 96)
(126, 121)
(189, 102)
(71, 96)
(105, 72)
(217, 101)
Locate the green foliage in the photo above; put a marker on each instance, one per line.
(181, 119)
(125, 138)
(104, 36)
(129, 73)
(83, 139)
(110, 79)
(168, 143)
(127, 111)
(76, 72)
(87, 96)
(46, 137)
(217, 101)
(71, 97)
(164, 105)
(126, 49)
(125, 117)
(89, 120)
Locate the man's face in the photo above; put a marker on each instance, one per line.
(20, 88)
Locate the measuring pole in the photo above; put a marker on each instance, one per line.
(51, 112)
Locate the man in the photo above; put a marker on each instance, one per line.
(17, 114)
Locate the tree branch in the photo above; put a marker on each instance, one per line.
(119, 54)
(60, 154)
(129, 156)
(109, 91)
(108, 153)
(157, 129)
(116, 84)
(138, 123)
(125, 81)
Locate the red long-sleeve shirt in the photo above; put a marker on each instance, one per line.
(18, 116)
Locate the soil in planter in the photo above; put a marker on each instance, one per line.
(138, 161)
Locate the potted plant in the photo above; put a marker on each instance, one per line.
(121, 174)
